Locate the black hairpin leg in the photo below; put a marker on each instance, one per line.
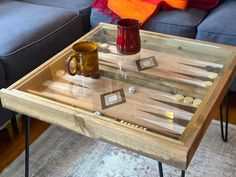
(224, 130)
(182, 173)
(27, 138)
(15, 126)
(160, 169)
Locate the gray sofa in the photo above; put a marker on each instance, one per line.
(31, 31)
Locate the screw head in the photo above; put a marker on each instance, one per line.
(97, 113)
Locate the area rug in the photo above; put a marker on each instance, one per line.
(62, 153)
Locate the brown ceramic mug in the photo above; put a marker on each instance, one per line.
(83, 60)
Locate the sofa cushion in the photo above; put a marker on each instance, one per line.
(77, 5)
(30, 34)
(220, 25)
(176, 22)
(5, 114)
(81, 6)
(96, 17)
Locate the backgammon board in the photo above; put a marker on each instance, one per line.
(158, 102)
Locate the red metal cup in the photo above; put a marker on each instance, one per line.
(128, 39)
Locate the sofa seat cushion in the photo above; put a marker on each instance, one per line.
(176, 22)
(81, 6)
(96, 17)
(30, 34)
(220, 25)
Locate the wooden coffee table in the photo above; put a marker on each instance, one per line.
(158, 103)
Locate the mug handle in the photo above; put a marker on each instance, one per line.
(68, 62)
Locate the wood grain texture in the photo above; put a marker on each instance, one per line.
(11, 149)
(169, 66)
(49, 94)
(81, 121)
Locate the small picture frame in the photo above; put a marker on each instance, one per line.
(112, 98)
(146, 63)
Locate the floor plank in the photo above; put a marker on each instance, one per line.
(11, 149)
(232, 109)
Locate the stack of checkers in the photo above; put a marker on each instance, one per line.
(188, 100)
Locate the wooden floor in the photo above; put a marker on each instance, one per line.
(232, 109)
(10, 149)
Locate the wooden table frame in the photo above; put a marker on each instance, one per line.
(161, 148)
(224, 134)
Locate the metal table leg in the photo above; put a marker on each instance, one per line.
(27, 138)
(224, 132)
(182, 173)
(160, 169)
(15, 126)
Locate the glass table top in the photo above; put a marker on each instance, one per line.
(157, 90)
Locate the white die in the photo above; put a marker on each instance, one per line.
(131, 90)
